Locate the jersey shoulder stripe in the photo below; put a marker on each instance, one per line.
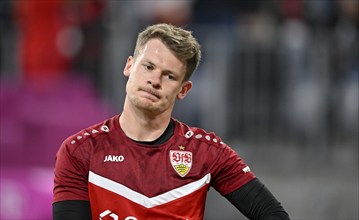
(90, 133)
(201, 135)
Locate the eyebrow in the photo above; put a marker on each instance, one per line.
(166, 71)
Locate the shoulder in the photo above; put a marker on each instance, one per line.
(200, 135)
(89, 135)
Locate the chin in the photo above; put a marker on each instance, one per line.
(148, 107)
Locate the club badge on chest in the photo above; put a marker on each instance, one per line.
(181, 161)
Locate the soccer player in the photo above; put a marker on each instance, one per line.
(143, 163)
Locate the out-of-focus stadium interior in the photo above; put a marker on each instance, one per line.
(279, 82)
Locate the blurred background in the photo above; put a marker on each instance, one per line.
(279, 82)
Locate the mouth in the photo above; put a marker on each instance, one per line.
(151, 92)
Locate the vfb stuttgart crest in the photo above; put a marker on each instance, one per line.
(181, 161)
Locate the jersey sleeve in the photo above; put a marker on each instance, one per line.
(71, 172)
(230, 172)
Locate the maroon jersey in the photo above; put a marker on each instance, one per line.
(124, 179)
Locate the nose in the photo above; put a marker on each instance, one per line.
(155, 80)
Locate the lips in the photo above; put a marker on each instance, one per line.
(151, 92)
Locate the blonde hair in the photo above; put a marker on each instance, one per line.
(181, 42)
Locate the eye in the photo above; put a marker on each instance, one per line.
(170, 76)
(148, 67)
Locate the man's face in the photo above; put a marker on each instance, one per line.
(155, 78)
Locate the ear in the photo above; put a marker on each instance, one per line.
(186, 86)
(128, 66)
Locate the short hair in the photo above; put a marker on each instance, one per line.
(180, 41)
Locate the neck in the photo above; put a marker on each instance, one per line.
(143, 126)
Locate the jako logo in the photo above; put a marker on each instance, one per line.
(114, 158)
